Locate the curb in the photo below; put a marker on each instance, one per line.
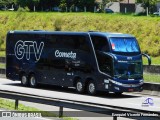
(151, 69)
(151, 89)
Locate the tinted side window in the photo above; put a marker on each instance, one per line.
(82, 44)
(68, 42)
(100, 43)
(64, 43)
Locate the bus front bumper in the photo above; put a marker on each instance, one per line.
(115, 86)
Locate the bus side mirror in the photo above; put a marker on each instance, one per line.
(148, 57)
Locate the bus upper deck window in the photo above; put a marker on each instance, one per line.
(100, 43)
(124, 45)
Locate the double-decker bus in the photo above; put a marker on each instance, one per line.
(88, 61)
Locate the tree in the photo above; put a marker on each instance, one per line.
(35, 3)
(5, 3)
(46, 5)
(148, 3)
(89, 4)
(63, 5)
(71, 4)
(105, 2)
(31, 4)
(22, 3)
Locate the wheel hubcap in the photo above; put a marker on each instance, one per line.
(24, 80)
(33, 81)
(91, 88)
(79, 86)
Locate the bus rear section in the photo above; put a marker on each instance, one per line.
(23, 50)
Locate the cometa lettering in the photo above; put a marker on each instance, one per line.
(65, 54)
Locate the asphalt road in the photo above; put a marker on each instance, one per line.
(126, 100)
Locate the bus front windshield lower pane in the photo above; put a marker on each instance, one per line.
(124, 45)
(128, 70)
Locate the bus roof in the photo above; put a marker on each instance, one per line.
(109, 34)
(105, 34)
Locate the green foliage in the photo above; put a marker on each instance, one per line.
(63, 5)
(21, 9)
(9, 105)
(58, 24)
(2, 65)
(6, 2)
(2, 54)
(151, 77)
(145, 29)
(155, 60)
(28, 3)
(47, 5)
(149, 3)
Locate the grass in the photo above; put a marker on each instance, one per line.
(2, 54)
(145, 29)
(9, 105)
(155, 60)
(151, 78)
(2, 65)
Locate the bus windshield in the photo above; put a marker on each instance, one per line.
(128, 70)
(124, 45)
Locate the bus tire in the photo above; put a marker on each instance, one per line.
(24, 80)
(91, 88)
(118, 93)
(32, 81)
(79, 86)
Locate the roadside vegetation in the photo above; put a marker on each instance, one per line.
(155, 60)
(148, 77)
(2, 65)
(9, 105)
(145, 29)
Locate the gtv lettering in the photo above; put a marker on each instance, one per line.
(23, 49)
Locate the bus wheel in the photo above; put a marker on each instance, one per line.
(79, 87)
(91, 88)
(32, 81)
(24, 80)
(118, 93)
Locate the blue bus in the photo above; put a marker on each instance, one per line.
(88, 61)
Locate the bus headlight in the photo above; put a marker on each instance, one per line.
(106, 81)
(106, 86)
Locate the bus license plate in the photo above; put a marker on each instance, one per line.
(130, 90)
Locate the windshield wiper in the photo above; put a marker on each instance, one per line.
(121, 75)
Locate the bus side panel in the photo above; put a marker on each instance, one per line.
(65, 57)
(12, 64)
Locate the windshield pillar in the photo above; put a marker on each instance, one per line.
(101, 46)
